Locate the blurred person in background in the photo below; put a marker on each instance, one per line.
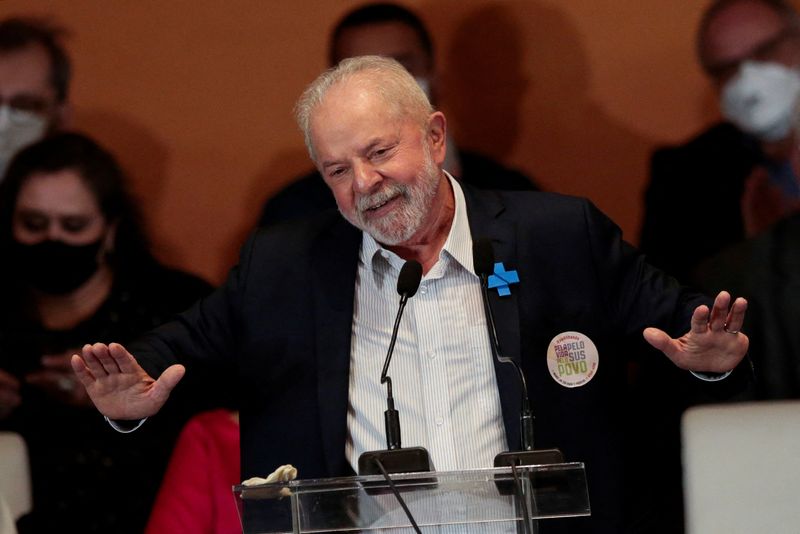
(738, 173)
(34, 83)
(75, 266)
(766, 268)
(389, 30)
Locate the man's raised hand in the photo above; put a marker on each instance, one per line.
(713, 344)
(117, 384)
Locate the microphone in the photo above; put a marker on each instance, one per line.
(483, 260)
(396, 459)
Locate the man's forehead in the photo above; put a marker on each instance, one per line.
(350, 114)
(740, 28)
(25, 70)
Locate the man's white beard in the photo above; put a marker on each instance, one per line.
(414, 203)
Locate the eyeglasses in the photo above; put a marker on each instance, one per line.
(764, 51)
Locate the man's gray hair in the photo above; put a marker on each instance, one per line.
(387, 78)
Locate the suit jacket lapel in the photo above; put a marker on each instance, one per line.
(485, 210)
(334, 271)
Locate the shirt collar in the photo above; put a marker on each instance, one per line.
(458, 244)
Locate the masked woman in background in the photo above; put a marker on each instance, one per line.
(76, 267)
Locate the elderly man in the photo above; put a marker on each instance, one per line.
(305, 318)
(34, 82)
(737, 173)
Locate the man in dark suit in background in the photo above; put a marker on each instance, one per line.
(766, 268)
(305, 318)
(738, 173)
(390, 30)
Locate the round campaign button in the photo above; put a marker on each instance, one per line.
(572, 359)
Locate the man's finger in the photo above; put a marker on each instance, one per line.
(90, 359)
(700, 319)
(107, 361)
(719, 312)
(167, 381)
(735, 318)
(658, 339)
(124, 359)
(81, 371)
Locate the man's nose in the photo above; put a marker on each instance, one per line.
(365, 177)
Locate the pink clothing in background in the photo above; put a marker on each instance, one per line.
(195, 496)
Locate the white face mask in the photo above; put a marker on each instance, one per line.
(761, 99)
(18, 129)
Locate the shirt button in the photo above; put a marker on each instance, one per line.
(423, 289)
(439, 421)
(432, 354)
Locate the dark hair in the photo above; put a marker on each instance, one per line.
(21, 32)
(103, 177)
(377, 14)
(782, 8)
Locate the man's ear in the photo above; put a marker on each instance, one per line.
(437, 136)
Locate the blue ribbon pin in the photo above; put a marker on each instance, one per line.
(501, 279)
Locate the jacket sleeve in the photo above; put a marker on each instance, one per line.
(203, 338)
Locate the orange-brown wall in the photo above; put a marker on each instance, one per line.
(195, 97)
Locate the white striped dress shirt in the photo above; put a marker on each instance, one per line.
(443, 377)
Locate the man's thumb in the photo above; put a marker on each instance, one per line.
(168, 380)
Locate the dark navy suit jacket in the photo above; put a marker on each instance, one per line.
(280, 329)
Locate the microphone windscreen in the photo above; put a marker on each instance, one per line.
(483, 256)
(408, 281)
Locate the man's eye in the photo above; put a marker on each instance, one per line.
(336, 172)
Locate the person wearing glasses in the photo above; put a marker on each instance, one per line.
(738, 173)
(34, 83)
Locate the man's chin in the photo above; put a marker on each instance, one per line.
(389, 236)
(397, 234)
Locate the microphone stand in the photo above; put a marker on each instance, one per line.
(483, 257)
(395, 458)
(527, 455)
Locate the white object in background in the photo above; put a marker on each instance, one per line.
(741, 468)
(15, 475)
(7, 523)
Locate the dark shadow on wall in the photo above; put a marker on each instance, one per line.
(282, 169)
(143, 157)
(484, 80)
(524, 89)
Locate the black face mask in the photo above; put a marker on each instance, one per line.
(55, 267)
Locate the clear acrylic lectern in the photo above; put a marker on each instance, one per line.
(480, 500)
